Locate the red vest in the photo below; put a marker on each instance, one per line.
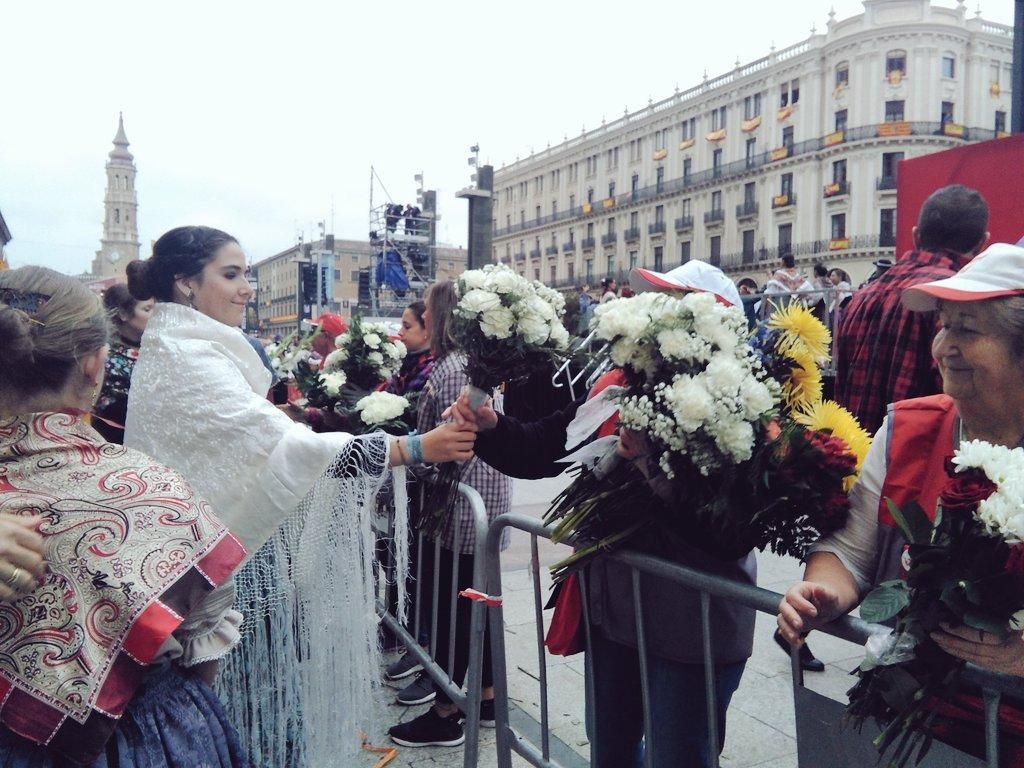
(920, 441)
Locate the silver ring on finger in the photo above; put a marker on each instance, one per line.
(14, 578)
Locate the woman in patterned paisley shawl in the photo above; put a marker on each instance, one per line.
(107, 654)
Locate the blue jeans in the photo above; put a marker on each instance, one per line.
(678, 708)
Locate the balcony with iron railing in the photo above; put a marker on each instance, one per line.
(747, 209)
(631, 235)
(569, 247)
(551, 250)
(746, 166)
(714, 217)
(886, 183)
(656, 229)
(809, 250)
(837, 189)
(535, 253)
(887, 240)
(684, 223)
(587, 243)
(609, 239)
(520, 255)
(785, 200)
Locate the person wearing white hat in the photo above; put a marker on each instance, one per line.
(979, 351)
(694, 275)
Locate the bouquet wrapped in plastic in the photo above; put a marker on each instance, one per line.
(740, 450)
(507, 326)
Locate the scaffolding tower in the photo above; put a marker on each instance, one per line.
(403, 263)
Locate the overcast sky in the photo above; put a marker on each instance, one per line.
(252, 116)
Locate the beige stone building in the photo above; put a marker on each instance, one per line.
(120, 242)
(796, 152)
(277, 276)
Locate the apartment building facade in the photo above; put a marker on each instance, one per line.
(797, 152)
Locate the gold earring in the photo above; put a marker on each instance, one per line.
(191, 298)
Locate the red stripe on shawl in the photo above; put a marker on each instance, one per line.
(29, 717)
(119, 688)
(221, 561)
(150, 630)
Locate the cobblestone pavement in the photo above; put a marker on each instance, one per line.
(761, 731)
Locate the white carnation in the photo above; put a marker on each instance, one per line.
(505, 281)
(333, 361)
(332, 382)
(376, 358)
(380, 407)
(559, 335)
(476, 302)
(372, 340)
(497, 323)
(472, 279)
(343, 340)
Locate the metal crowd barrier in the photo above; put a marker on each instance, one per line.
(821, 737)
(469, 700)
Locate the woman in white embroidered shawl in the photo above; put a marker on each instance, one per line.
(299, 685)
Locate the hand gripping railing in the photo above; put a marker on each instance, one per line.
(468, 701)
(850, 628)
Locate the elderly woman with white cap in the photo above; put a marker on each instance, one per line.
(979, 351)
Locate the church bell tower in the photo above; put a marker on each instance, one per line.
(120, 242)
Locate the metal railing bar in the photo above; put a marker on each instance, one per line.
(992, 699)
(645, 686)
(709, 677)
(434, 598)
(542, 666)
(588, 664)
(849, 628)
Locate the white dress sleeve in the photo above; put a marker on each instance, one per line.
(210, 631)
(856, 544)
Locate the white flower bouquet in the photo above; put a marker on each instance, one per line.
(383, 410)
(507, 325)
(738, 449)
(365, 354)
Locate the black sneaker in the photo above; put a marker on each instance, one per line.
(429, 730)
(419, 691)
(808, 662)
(486, 714)
(405, 666)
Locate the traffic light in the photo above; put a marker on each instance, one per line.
(308, 283)
(364, 285)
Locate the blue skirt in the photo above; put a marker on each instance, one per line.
(174, 721)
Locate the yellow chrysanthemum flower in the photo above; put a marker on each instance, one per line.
(800, 328)
(802, 387)
(829, 416)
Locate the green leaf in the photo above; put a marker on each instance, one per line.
(885, 601)
(985, 623)
(912, 521)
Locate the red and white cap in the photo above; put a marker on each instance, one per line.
(694, 275)
(996, 271)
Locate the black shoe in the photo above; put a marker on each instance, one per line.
(419, 691)
(429, 730)
(405, 666)
(486, 714)
(807, 661)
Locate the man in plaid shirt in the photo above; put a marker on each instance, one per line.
(883, 353)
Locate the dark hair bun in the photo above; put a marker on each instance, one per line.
(138, 279)
(18, 348)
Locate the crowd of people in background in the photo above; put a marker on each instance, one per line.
(162, 368)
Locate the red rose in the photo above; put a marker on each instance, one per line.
(965, 490)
